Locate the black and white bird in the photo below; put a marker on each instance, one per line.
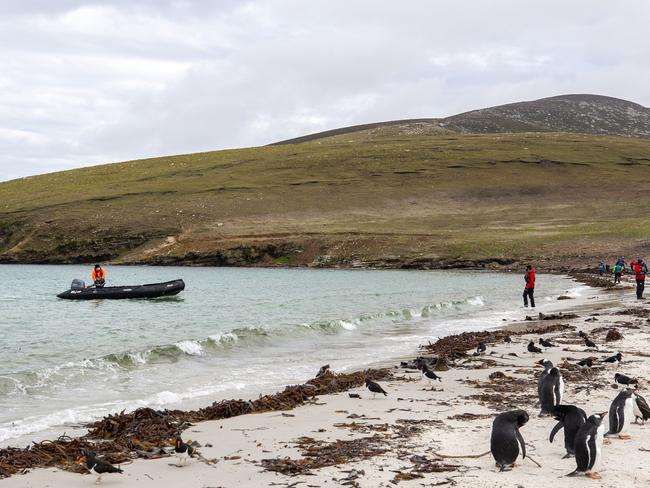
(582, 334)
(429, 375)
(622, 404)
(183, 451)
(590, 343)
(613, 359)
(551, 391)
(374, 388)
(533, 348)
(570, 418)
(506, 442)
(640, 408)
(507, 339)
(481, 348)
(586, 362)
(97, 466)
(589, 447)
(625, 380)
(546, 343)
(547, 364)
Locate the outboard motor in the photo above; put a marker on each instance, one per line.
(77, 285)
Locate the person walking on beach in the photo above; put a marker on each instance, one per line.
(529, 289)
(618, 271)
(640, 270)
(601, 268)
(99, 276)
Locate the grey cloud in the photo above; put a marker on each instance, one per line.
(88, 82)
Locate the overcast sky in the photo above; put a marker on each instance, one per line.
(85, 82)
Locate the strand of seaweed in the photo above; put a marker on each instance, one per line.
(146, 432)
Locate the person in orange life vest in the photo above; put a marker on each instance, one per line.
(99, 276)
(529, 290)
(640, 270)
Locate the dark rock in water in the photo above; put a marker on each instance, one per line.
(528, 317)
(564, 297)
(613, 335)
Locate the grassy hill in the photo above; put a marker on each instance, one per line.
(377, 196)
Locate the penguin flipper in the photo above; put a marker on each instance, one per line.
(521, 443)
(555, 430)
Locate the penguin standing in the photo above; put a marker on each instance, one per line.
(506, 442)
(640, 408)
(620, 404)
(570, 418)
(589, 446)
(547, 364)
(551, 391)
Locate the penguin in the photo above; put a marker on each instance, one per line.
(586, 363)
(625, 380)
(374, 388)
(429, 375)
(620, 404)
(97, 466)
(589, 446)
(613, 359)
(590, 343)
(183, 451)
(640, 408)
(570, 418)
(547, 364)
(551, 391)
(533, 348)
(506, 442)
(546, 343)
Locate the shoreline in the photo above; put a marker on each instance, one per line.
(402, 382)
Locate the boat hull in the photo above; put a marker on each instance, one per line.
(153, 290)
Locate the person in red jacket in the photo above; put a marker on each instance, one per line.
(640, 270)
(99, 276)
(529, 289)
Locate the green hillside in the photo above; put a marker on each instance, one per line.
(352, 199)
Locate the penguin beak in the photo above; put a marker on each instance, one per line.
(81, 459)
(604, 414)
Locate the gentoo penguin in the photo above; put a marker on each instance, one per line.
(589, 446)
(590, 343)
(97, 466)
(546, 343)
(551, 391)
(613, 359)
(586, 363)
(506, 442)
(620, 404)
(640, 408)
(547, 364)
(429, 375)
(533, 348)
(570, 418)
(625, 380)
(183, 451)
(374, 388)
